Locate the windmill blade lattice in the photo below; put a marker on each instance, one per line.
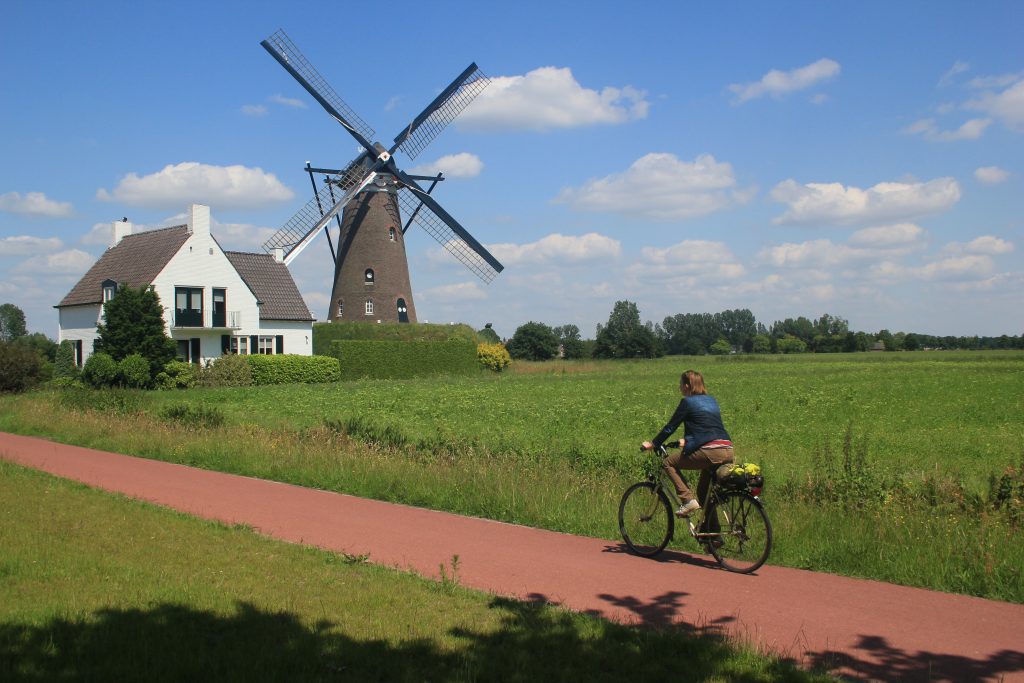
(445, 112)
(445, 236)
(296, 60)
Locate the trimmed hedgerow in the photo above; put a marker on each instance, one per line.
(401, 359)
(293, 369)
(324, 334)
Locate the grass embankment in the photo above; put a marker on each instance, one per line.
(878, 465)
(99, 587)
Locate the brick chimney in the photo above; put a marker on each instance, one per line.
(198, 219)
(119, 229)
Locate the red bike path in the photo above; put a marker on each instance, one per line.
(866, 629)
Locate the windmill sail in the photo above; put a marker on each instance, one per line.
(442, 111)
(471, 254)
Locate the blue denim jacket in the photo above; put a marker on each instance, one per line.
(703, 420)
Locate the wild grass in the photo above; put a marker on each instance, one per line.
(98, 587)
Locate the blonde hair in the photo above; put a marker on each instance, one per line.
(692, 383)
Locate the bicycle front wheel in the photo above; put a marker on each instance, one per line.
(745, 533)
(645, 519)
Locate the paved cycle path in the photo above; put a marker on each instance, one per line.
(864, 628)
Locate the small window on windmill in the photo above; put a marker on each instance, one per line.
(368, 276)
(369, 307)
(391, 234)
(341, 307)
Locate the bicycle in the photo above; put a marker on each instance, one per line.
(733, 525)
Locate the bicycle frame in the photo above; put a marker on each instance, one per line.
(660, 479)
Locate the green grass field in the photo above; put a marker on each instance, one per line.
(98, 587)
(878, 465)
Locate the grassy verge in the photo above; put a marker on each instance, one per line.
(837, 523)
(98, 587)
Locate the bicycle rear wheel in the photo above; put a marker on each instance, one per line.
(646, 521)
(746, 533)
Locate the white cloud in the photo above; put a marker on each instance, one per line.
(1007, 106)
(954, 71)
(836, 204)
(689, 259)
(462, 291)
(778, 83)
(661, 187)
(559, 249)
(971, 267)
(810, 254)
(24, 245)
(70, 262)
(34, 204)
(927, 128)
(548, 98)
(988, 245)
(994, 82)
(888, 236)
(220, 187)
(991, 175)
(254, 110)
(287, 101)
(461, 165)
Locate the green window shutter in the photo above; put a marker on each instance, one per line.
(280, 343)
(254, 343)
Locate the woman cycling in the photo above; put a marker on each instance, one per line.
(705, 446)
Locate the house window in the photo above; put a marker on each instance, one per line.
(188, 307)
(220, 314)
(369, 307)
(391, 234)
(108, 292)
(240, 345)
(368, 276)
(266, 345)
(341, 307)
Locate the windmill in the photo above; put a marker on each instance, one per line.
(368, 196)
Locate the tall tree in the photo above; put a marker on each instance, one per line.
(12, 322)
(133, 322)
(625, 336)
(533, 341)
(569, 338)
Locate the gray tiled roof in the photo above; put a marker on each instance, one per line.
(136, 260)
(272, 284)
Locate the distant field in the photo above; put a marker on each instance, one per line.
(902, 467)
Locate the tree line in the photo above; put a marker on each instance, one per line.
(726, 332)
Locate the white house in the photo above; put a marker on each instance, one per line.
(215, 301)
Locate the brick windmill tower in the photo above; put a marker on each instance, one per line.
(368, 197)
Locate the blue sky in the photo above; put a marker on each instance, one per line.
(859, 159)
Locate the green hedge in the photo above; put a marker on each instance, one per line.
(324, 334)
(401, 359)
(292, 369)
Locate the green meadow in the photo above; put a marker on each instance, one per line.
(903, 467)
(99, 587)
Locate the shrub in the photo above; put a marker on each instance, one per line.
(487, 335)
(293, 369)
(64, 364)
(493, 356)
(533, 341)
(227, 371)
(20, 368)
(100, 370)
(134, 371)
(790, 344)
(722, 347)
(325, 334)
(396, 359)
(177, 375)
(193, 416)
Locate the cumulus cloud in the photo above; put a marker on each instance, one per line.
(991, 175)
(461, 165)
(559, 249)
(779, 83)
(969, 267)
(888, 236)
(34, 204)
(220, 187)
(70, 262)
(25, 245)
(549, 98)
(994, 82)
(660, 186)
(987, 245)
(836, 204)
(928, 129)
(810, 254)
(1007, 106)
(689, 259)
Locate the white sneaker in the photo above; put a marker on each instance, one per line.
(686, 509)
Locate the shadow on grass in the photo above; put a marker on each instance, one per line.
(173, 643)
